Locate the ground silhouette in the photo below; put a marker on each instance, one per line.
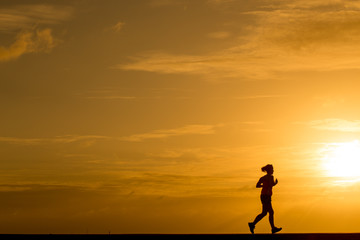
(281, 236)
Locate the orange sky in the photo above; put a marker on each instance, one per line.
(155, 116)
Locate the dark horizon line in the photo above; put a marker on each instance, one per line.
(187, 236)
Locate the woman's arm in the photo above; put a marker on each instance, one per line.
(259, 183)
(275, 182)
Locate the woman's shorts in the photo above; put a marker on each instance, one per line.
(265, 199)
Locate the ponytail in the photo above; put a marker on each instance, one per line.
(267, 168)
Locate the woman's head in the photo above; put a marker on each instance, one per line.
(268, 168)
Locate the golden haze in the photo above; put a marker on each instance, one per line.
(156, 116)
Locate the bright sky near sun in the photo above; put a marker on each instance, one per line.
(155, 116)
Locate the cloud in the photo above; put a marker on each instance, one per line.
(20, 17)
(299, 4)
(219, 35)
(259, 96)
(163, 3)
(31, 24)
(78, 138)
(165, 133)
(38, 187)
(90, 139)
(25, 141)
(285, 37)
(58, 139)
(167, 63)
(219, 1)
(106, 95)
(307, 27)
(28, 42)
(118, 26)
(226, 64)
(113, 97)
(334, 124)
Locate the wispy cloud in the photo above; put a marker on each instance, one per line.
(165, 133)
(316, 36)
(112, 97)
(219, 1)
(43, 186)
(118, 26)
(26, 141)
(77, 138)
(163, 3)
(58, 139)
(260, 96)
(90, 139)
(219, 35)
(106, 94)
(334, 124)
(28, 42)
(31, 25)
(26, 16)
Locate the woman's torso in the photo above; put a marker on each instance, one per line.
(267, 183)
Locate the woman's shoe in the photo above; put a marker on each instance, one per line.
(252, 227)
(275, 230)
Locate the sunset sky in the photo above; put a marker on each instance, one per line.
(155, 116)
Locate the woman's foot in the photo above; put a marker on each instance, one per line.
(252, 227)
(275, 230)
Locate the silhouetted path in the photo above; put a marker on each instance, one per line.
(344, 236)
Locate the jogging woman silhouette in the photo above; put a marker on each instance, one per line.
(266, 183)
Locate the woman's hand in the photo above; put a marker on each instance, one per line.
(276, 181)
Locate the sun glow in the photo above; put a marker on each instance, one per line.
(343, 159)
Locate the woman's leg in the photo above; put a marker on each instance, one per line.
(271, 220)
(271, 215)
(261, 215)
